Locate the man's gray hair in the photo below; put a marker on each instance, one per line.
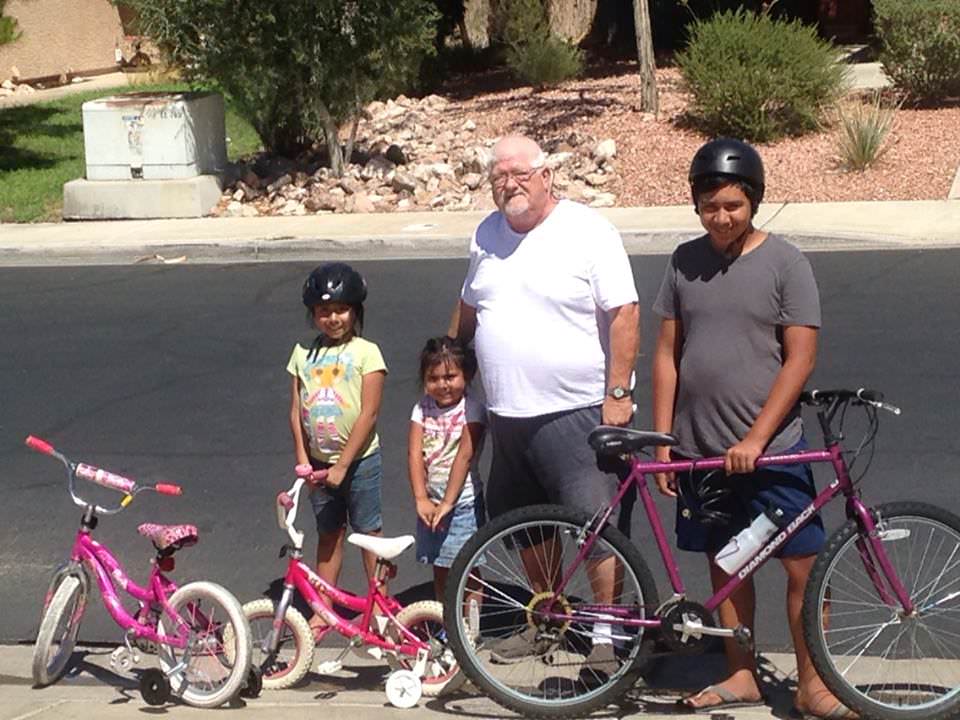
(539, 160)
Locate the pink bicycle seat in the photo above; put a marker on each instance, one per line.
(164, 536)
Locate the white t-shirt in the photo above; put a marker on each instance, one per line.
(442, 429)
(541, 300)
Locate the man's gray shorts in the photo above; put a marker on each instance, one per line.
(546, 459)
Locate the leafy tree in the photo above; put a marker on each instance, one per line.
(296, 69)
(8, 27)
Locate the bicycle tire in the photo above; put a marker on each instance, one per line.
(213, 675)
(58, 631)
(281, 670)
(923, 544)
(552, 697)
(425, 620)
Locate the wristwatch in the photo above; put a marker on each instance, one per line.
(618, 392)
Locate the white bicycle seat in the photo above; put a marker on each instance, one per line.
(386, 548)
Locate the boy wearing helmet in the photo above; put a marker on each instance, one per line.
(739, 315)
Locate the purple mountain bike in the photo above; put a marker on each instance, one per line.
(881, 610)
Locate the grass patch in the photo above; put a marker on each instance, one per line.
(41, 148)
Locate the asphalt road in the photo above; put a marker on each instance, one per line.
(177, 373)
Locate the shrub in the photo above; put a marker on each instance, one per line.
(545, 61)
(8, 27)
(863, 132)
(920, 46)
(758, 78)
(298, 69)
(533, 53)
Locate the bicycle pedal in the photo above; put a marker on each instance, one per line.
(120, 659)
(329, 667)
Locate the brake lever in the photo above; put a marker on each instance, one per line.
(884, 406)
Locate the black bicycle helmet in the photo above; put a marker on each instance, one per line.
(706, 496)
(729, 158)
(334, 282)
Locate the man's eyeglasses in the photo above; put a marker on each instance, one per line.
(519, 177)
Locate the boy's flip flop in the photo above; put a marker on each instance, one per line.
(727, 700)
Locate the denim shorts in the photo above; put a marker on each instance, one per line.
(439, 547)
(357, 499)
(787, 487)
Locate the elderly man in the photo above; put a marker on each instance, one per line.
(550, 300)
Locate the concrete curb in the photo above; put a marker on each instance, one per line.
(814, 227)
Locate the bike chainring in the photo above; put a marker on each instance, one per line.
(674, 615)
(535, 607)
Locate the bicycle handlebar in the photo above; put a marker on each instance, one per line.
(41, 446)
(862, 396)
(99, 476)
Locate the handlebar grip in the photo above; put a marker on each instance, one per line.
(41, 446)
(168, 489)
(303, 470)
(105, 479)
(284, 501)
(873, 396)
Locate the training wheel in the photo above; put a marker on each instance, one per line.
(154, 687)
(254, 684)
(403, 689)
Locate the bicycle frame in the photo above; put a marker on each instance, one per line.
(308, 583)
(107, 571)
(874, 556)
(302, 578)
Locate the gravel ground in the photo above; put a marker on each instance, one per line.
(653, 153)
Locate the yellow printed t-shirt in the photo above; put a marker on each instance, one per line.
(331, 379)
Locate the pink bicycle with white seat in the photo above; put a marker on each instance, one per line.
(411, 639)
(198, 631)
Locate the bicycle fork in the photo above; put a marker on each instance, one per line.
(874, 554)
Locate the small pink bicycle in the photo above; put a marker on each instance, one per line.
(199, 630)
(411, 638)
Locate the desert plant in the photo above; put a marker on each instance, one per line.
(863, 132)
(8, 26)
(533, 53)
(920, 46)
(758, 78)
(298, 70)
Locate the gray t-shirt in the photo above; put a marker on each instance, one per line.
(732, 315)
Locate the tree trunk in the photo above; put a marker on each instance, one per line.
(331, 134)
(649, 102)
(571, 20)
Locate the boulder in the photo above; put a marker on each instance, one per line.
(605, 150)
(472, 180)
(394, 153)
(362, 203)
(404, 182)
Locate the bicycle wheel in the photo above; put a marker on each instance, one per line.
(877, 660)
(294, 655)
(208, 673)
(529, 649)
(425, 620)
(58, 630)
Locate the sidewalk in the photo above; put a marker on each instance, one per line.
(94, 690)
(653, 230)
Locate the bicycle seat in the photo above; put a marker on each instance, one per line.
(386, 548)
(169, 536)
(613, 440)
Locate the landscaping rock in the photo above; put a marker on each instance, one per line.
(604, 150)
(409, 154)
